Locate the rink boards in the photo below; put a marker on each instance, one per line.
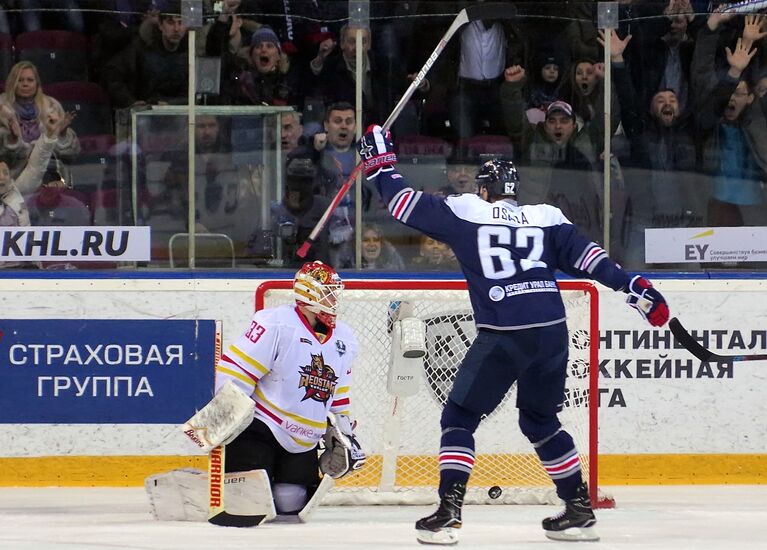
(665, 417)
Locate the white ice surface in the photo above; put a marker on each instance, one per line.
(671, 517)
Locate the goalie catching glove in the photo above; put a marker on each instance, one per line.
(376, 150)
(650, 303)
(342, 454)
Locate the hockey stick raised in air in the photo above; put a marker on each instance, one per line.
(496, 10)
(747, 6)
(694, 347)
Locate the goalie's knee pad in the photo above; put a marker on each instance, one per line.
(289, 498)
(538, 427)
(455, 416)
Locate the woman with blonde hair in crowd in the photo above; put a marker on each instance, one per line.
(377, 252)
(23, 110)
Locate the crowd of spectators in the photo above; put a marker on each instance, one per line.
(688, 118)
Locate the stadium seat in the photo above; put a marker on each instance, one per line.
(7, 55)
(88, 101)
(418, 145)
(485, 146)
(59, 56)
(422, 159)
(212, 250)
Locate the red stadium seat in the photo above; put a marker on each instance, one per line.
(58, 55)
(89, 102)
(7, 55)
(418, 145)
(480, 146)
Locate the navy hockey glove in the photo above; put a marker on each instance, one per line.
(650, 303)
(376, 151)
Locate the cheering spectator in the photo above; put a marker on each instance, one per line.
(460, 172)
(487, 47)
(556, 155)
(266, 77)
(546, 83)
(23, 110)
(377, 252)
(336, 78)
(337, 161)
(662, 51)
(735, 140)
(13, 209)
(434, 255)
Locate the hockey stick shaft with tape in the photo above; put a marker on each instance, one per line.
(747, 6)
(466, 15)
(693, 346)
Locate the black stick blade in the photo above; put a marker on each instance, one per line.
(231, 520)
(689, 343)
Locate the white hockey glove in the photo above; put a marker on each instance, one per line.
(343, 453)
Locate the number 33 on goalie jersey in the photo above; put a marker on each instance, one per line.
(295, 376)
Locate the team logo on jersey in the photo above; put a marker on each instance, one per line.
(318, 379)
(340, 348)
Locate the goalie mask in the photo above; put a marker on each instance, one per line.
(317, 287)
(499, 177)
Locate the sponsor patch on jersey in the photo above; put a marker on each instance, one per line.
(340, 347)
(496, 293)
(305, 341)
(318, 380)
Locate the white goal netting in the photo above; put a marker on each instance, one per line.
(401, 435)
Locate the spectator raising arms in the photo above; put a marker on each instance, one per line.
(13, 209)
(23, 109)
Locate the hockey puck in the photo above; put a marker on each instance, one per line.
(494, 492)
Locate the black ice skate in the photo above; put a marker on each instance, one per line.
(441, 527)
(575, 522)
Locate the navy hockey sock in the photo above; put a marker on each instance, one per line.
(561, 461)
(456, 458)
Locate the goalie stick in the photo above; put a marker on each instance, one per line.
(694, 347)
(477, 12)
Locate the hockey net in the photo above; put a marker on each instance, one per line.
(401, 435)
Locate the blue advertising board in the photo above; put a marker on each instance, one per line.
(105, 371)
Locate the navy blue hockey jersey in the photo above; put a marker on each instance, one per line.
(509, 254)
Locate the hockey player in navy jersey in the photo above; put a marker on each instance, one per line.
(509, 255)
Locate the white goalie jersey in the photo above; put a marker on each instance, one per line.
(294, 377)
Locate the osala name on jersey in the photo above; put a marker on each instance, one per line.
(501, 213)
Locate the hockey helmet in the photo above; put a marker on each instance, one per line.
(499, 177)
(317, 287)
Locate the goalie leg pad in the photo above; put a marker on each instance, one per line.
(179, 495)
(225, 417)
(182, 495)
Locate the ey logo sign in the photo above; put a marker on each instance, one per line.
(697, 252)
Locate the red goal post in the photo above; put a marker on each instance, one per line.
(401, 434)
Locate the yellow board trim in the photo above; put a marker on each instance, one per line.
(130, 471)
